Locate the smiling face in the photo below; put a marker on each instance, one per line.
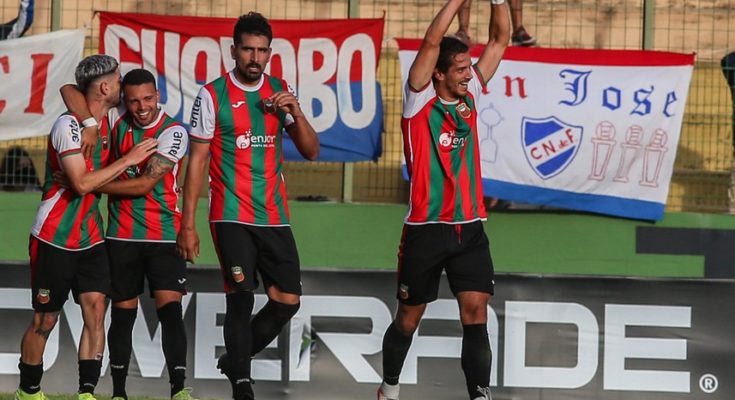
(452, 84)
(142, 102)
(251, 56)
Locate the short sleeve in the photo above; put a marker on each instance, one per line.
(66, 136)
(202, 117)
(173, 143)
(475, 84)
(414, 101)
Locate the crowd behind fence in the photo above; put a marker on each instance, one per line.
(704, 170)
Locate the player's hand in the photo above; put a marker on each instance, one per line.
(187, 242)
(62, 180)
(286, 102)
(464, 36)
(141, 151)
(89, 140)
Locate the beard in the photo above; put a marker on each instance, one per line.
(251, 75)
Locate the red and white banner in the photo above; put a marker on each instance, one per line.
(32, 69)
(332, 65)
(591, 130)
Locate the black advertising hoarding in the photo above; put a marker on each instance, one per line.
(552, 338)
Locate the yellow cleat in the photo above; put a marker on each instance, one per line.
(183, 394)
(86, 396)
(21, 395)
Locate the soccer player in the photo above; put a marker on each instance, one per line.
(443, 229)
(66, 240)
(239, 118)
(143, 221)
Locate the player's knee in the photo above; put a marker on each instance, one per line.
(46, 321)
(407, 326)
(170, 312)
(281, 311)
(473, 314)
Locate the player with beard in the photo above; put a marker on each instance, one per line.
(443, 229)
(239, 119)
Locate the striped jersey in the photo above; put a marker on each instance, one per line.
(245, 180)
(154, 217)
(65, 219)
(442, 154)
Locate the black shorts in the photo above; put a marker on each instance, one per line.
(55, 271)
(425, 250)
(244, 249)
(131, 262)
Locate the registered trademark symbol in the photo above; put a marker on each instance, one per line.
(708, 383)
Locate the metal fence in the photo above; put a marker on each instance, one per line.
(704, 165)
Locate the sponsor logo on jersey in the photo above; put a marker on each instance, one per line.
(176, 144)
(43, 296)
(195, 112)
(450, 141)
(248, 139)
(239, 104)
(74, 130)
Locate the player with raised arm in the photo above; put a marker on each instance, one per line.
(443, 229)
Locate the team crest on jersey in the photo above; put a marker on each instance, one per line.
(550, 144)
(105, 142)
(450, 140)
(237, 274)
(43, 296)
(464, 110)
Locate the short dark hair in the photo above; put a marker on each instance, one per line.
(138, 76)
(93, 67)
(449, 47)
(253, 23)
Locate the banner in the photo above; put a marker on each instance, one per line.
(553, 338)
(590, 130)
(32, 69)
(332, 65)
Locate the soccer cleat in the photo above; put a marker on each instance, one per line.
(21, 395)
(522, 38)
(183, 394)
(86, 396)
(118, 398)
(485, 392)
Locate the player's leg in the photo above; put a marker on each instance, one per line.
(51, 272)
(471, 278)
(279, 268)
(90, 289)
(166, 272)
(421, 255)
(126, 278)
(236, 251)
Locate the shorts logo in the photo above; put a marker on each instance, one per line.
(403, 291)
(237, 274)
(43, 296)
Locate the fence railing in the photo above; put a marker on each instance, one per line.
(704, 166)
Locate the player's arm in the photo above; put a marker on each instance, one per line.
(423, 66)
(188, 239)
(464, 22)
(300, 131)
(77, 104)
(497, 42)
(156, 168)
(83, 181)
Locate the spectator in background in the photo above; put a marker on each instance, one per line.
(17, 172)
(519, 37)
(20, 24)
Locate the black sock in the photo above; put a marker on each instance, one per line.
(476, 358)
(395, 348)
(268, 323)
(120, 343)
(30, 377)
(89, 375)
(173, 341)
(238, 342)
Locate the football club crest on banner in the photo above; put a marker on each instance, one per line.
(549, 144)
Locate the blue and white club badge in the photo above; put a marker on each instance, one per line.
(549, 144)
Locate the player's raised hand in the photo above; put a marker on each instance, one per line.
(187, 242)
(90, 135)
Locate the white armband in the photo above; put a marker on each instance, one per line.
(89, 122)
(497, 2)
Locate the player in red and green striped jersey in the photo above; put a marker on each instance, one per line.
(143, 221)
(239, 119)
(443, 229)
(66, 248)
